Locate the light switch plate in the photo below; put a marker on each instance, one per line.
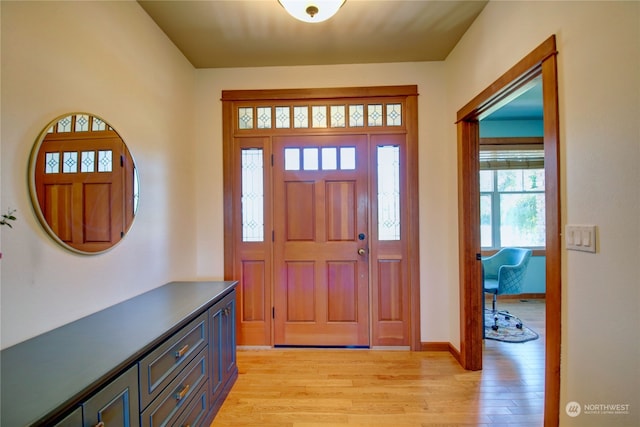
(580, 237)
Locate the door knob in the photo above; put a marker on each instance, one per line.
(361, 251)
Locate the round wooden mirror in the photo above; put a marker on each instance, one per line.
(83, 183)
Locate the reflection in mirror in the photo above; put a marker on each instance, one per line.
(83, 183)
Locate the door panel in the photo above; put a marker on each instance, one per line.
(86, 210)
(321, 281)
(300, 218)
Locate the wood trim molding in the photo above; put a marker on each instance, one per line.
(541, 61)
(523, 296)
(553, 241)
(441, 346)
(435, 346)
(528, 140)
(514, 78)
(471, 293)
(319, 93)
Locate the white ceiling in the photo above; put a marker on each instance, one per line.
(255, 33)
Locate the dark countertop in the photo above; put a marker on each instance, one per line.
(47, 373)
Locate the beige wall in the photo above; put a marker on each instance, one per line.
(437, 196)
(599, 91)
(110, 59)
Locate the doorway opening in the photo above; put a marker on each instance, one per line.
(541, 62)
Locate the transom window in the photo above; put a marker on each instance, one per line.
(79, 161)
(320, 116)
(324, 158)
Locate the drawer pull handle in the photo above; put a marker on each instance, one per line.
(182, 351)
(100, 424)
(180, 395)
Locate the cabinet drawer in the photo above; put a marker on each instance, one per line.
(116, 404)
(162, 365)
(194, 414)
(177, 395)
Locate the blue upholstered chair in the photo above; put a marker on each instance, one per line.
(503, 274)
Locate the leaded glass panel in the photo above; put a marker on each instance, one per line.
(52, 163)
(105, 161)
(394, 114)
(88, 161)
(347, 158)
(264, 117)
(356, 115)
(319, 115)
(374, 112)
(388, 192)
(97, 124)
(338, 116)
(64, 125)
(292, 159)
(245, 117)
(70, 162)
(301, 117)
(82, 123)
(252, 195)
(282, 117)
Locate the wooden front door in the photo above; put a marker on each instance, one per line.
(321, 253)
(82, 184)
(312, 177)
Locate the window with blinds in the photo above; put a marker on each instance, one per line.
(512, 201)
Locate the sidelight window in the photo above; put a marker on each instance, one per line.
(252, 197)
(388, 192)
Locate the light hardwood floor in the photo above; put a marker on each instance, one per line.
(322, 387)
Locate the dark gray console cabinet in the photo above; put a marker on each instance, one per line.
(223, 338)
(166, 357)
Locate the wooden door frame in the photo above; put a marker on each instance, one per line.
(232, 98)
(541, 61)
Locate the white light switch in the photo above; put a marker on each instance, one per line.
(580, 237)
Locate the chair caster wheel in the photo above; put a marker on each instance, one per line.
(494, 327)
(519, 325)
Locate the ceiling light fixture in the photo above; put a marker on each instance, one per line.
(312, 10)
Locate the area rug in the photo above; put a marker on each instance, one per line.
(507, 330)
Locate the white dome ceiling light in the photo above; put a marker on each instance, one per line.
(312, 11)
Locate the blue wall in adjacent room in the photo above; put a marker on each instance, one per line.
(511, 128)
(535, 280)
